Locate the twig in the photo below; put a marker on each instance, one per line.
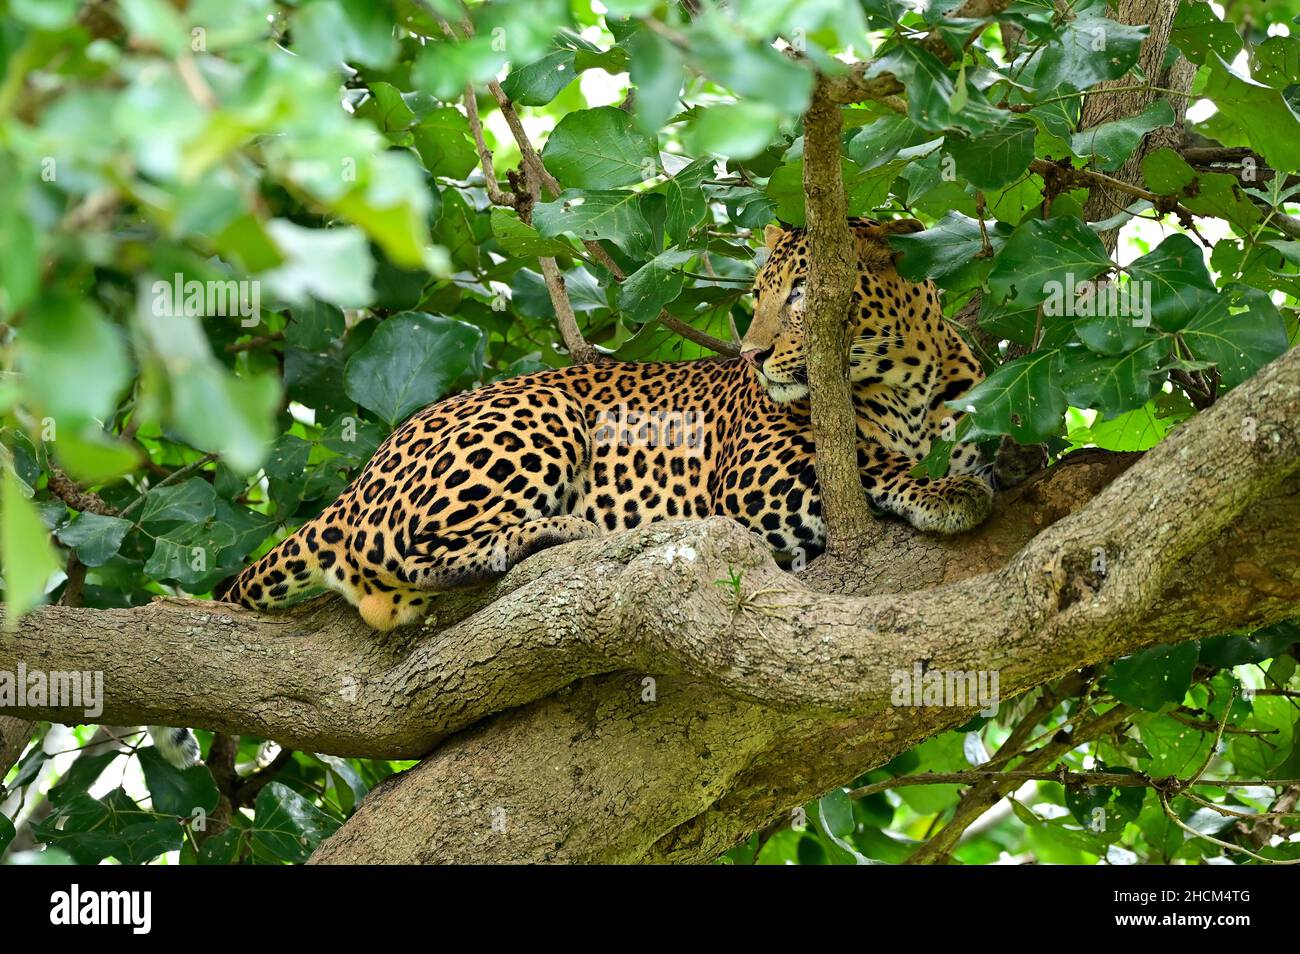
(496, 195)
(83, 501)
(531, 159)
(989, 791)
(252, 344)
(1062, 775)
(1173, 817)
(169, 479)
(580, 349)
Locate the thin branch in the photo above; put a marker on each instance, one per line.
(83, 501)
(532, 160)
(580, 350)
(496, 195)
(171, 478)
(1063, 776)
(1226, 845)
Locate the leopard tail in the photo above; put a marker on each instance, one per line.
(284, 573)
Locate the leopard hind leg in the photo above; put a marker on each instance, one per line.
(456, 558)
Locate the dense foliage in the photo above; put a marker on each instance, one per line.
(313, 164)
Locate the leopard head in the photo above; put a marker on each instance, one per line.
(774, 343)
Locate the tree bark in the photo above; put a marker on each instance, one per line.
(14, 736)
(548, 743)
(832, 271)
(1103, 106)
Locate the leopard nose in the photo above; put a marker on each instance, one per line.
(756, 356)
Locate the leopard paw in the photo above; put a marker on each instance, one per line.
(952, 505)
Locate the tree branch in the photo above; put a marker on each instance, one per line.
(832, 270)
(783, 675)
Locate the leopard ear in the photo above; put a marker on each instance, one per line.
(772, 234)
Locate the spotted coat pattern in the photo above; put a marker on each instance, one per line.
(471, 485)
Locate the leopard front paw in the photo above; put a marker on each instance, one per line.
(952, 505)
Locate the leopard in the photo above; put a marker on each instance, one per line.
(473, 484)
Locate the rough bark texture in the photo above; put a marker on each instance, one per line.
(607, 701)
(1102, 106)
(832, 271)
(560, 750)
(14, 735)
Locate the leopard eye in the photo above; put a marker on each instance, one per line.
(796, 292)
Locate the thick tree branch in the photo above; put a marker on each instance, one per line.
(1200, 536)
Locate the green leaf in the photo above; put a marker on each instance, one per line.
(1274, 718)
(879, 141)
(656, 69)
(6, 833)
(1022, 398)
(82, 774)
(995, 158)
(1091, 49)
(930, 92)
(1235, 650)
(390, 109)
(287, 827)
(652, 286)
(176, 792)
(154, 21)
(836, 809)
(613, 216)
(442, 139)
(44, 15)
(1109, 144)
(538, 83)
(600, 149)
(1113, 332)
(234, 416)
(1275, 62)
(1264, 113)
(522, 240)
(944, 250)
(73, 362)
(1176, 748)
(96, 538)
(144, 841)
(222, 849)
(1238, 343)
(1155, 677)
(192, 501)
(333, 265)
(687, 202)
(1210, 193)
(333, 32)
(91, 456)
(1199, 32)
(28, 558)
(1179, 284)
(188, 553)
(444, 67)
(1041, 255)
(315, 326)
(752, 69)
(734, 130)
(1112, 384)
(412, 360)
